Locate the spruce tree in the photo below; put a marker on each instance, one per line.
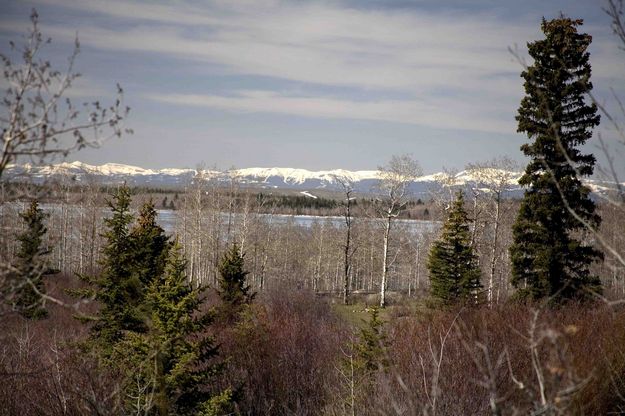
(370, 351)
(362, 361)
(149, 328)
(118, 288)
(233, 290)
(550, 258)
(150, 245)
(174, 357)
(27, 284)
(452, 264)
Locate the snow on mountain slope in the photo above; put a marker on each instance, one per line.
(270, 178)
(299, 176)
(308, 194)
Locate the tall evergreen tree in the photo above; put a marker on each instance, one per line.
(233, 289)
(150, 245)
(453, 267)
(550, 258)
(174, 356)
(118, 288)
(31, 266)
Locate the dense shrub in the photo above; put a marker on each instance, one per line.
(284, 354)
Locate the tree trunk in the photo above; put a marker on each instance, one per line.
(348, 224)
(493, 255)
(387, 232)
(475, 215)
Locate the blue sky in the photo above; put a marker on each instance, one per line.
(309, 84)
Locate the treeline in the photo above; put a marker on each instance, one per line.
(67, 190)
(362, 207)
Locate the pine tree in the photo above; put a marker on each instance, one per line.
(233, 290)
(149, 329)
(370, 350)
(118, 288)
(174, 356)
(31, 266)
(150, 245)
(363, 359)
(550, 259)
(454, 272)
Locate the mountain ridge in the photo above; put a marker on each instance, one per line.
(266, 178)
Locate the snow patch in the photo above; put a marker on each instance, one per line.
(308, 194)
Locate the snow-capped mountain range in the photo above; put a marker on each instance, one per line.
(364, 181)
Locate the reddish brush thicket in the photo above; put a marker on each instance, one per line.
(43, 371)
(284, 354)
(511, 360)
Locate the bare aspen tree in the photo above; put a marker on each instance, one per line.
(262, 240)
(231, 203)
(264, 244)
(63, 237)
(245, 223)
(395, 179)
(318, 231)
(93, 201)
(419, 244)
(477, 208)
(443, 193)
(198, 214)
(214, 228)
(371, 258)
(347, 186)
(495, 177)
(191, 217)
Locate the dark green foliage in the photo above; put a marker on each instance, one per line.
(364, 359)
(150, 245)
(149, 328)
(173, 355)
(298, 203)
(233, 290)
(453, 267)
(118, 288)
(26, 283)
(370, 351)
(550, 258)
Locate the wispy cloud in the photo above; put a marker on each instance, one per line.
(441, 113)
(316, 43)
(418, 54)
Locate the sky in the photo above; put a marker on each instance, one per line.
(309, 84)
